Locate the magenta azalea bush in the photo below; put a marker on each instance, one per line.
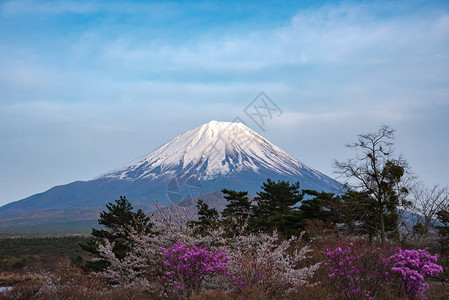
(357, 269)
(189, 266)
(413, 266)
(362, 271)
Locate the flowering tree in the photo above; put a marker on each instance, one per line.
(173, 259)
(143, 267)
(140, 268)
(118, 219)
(268, 261)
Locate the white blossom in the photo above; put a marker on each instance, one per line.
(262, 259)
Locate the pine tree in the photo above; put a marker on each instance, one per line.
(207, 217)
(118, 219)
(238, 204)
(276, 209)
(326, 207)
(237, 211)
(443, 230)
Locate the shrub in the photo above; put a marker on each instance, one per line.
(362, 271)
(189, 266)
(413, 266)
(358, 270)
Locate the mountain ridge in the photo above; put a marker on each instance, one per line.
(203, 160)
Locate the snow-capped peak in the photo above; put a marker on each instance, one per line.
(213, 149)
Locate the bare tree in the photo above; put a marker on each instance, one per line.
(375, 170)
(426, 203)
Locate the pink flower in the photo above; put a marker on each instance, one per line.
(189, 265)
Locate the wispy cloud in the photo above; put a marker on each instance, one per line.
(343, 33)
(81, 70)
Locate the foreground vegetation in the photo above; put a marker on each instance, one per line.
(385, 237)
(176, 256)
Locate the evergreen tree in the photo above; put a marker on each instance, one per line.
(238, 204)
(443, 231)
(360, 217)
(326, 207)
(237, 211)
(118, 220)
(276, 207)
(352, 211)
(207, 217)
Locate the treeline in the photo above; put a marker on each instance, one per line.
(282, 206)
(15, 253)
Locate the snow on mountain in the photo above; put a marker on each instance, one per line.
(211, 150)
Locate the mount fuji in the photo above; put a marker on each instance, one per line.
(204, 160)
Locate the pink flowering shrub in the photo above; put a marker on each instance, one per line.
(363, 271)
(189, 266)
(357, 269)
(413, 266)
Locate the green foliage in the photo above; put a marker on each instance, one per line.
(23, 251)
(443, 230)
(40, 246)
(238, 204)
(362, 214)
(353, 210)
(276, 208)
(19, 264)
(237, 211)
(359, 215)
(76, 260)
(119, 219)
(323, 206)
(207, 217)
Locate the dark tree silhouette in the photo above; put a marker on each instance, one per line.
(207, 217)
(377, 172)
(276, 209)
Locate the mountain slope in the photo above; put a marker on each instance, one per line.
(213, 156)
(217, 149)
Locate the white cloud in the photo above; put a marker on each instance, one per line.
(340, 34)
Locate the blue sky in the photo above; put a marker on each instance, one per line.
(86, 86)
